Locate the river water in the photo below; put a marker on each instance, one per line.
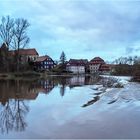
(54, 108)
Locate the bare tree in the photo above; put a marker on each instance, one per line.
(20, 39)
(6, 30)
(6, 36)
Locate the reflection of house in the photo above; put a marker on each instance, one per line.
(97, 64)
(46, 85)
(26, 54)
(76, 81)
(44, 63)
(77, 65)
(16, 90)
(23, 90)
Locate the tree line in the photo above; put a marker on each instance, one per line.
(13, 34)
(127, 66)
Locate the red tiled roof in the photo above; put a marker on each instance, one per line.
(42, 58)
(25, 52)
(77, 62)
(11, 53)
(97, 60)
(112, 65)
(28, 52)
(104, 67)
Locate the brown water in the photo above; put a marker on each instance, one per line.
(53, 108)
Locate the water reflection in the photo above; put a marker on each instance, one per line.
(15, 97)
(14, 106)
(12, 116)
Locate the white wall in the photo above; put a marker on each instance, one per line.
(76, 69)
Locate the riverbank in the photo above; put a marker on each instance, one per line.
(31, 75)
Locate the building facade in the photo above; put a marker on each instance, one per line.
(98, 65)
(44, 63)
(26, 55)
(105, 68)
(77, 66)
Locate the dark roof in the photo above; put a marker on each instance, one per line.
(42, 58)
(104, 67)
(77, 62)
(3, 45)
(25, 52)
(97, 60)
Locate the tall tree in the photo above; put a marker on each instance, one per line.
(6, 36)
(6, 30)
(62, 58)
(20, 39)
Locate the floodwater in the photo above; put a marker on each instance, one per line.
(55, 108)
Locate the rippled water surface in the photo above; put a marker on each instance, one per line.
(55, 108)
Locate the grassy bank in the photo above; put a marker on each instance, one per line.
(29, 75)
(32, 75)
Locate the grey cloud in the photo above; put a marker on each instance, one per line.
(96, 25)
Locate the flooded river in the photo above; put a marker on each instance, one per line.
(57, 108)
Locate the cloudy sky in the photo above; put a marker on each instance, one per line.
(80, 28)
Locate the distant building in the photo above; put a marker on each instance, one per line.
(95, 64)
(77, 65)
(26, 55)
(112, 68)
(98, 65)
(4, 47)
(44, 63)
(104, 68)
(3, 50)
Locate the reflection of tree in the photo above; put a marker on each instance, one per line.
(20, 111)
(6, 118)
(13, 108)
(45, 86)
(12, 116)
(62, 86)
(62, 90)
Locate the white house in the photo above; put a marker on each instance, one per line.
(77, 66)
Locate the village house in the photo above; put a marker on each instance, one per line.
(104, 68)
(26, 55)
(44, 63)
(98, 65)
(4, 47)
(77, 66)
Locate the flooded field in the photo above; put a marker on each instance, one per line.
(68, 107)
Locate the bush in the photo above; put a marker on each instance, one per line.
(123, 69)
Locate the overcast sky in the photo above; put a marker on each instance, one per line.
(80, 28)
